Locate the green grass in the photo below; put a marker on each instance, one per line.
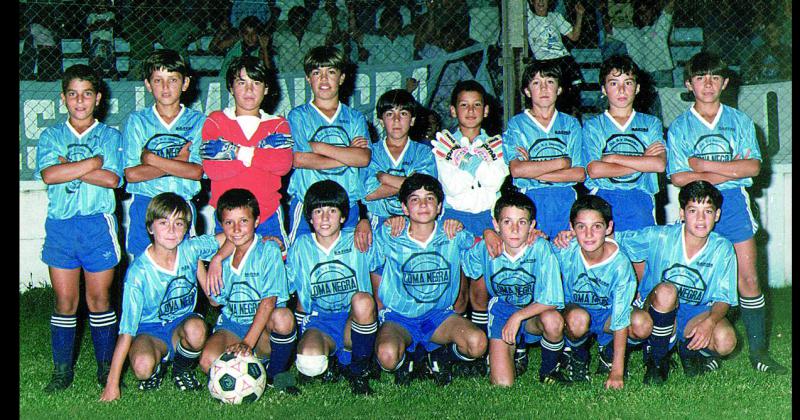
(736, 391)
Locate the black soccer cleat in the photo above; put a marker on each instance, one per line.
(558, 375)
(709, 364)
(284, 383)
(579, 370)
(185, 380)
(359, 384)
(154, 381)
(61, 379)
(656, 372)
(439, 372)
(603, 365)
(520, 361)
(764, 363)
(333, 373)
(692, 365)
(475, 368)
(406, 373)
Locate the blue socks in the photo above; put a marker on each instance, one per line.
(550, 353)
(281, 347)
(103, 326)
(754, 313)
(62, 338)
(363, 340)
(657, 345)
(580, 350)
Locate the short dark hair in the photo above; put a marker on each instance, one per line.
(163, 205)
(699, 191)
(250, 22)
(80, 72)
(591, 202)
(547, 68)
(236, 198)
(396, 98)
(467, 86)
(514, 199)
(704, 63)
(253, 66)
(622, 63)
(327, 193)
(169, 60)
(419, 180)
(324, 56)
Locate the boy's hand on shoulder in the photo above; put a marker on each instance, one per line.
(563, 238)
(275, 239)
(494, 245)
(397, 223)
(362, 238)
(452, 227)
(535, 234)
(213, 283)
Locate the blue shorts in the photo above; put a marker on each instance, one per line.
(332, 325)
(299, 226)
(82, 241)
(685, 313)
(597, 324)
(499, 312)
(552, 206)
(475, 223)
(736, 222)
(137, 239)
(420, 329)
(273, 226)
(630, 209)
(238, 329)
(164, 330)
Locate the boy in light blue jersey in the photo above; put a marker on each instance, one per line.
(331, 140)
(158, 324)
(624, 149)
(599, 287)
(693, 268)
(524, 285)
(331, 278)
(79, 161)
(254, 318)
(717, 143)
(161, 150)
(395, 157)
(543, 148)
(418, 287)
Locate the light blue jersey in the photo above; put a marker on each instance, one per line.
(415, 158)
(154, 294)
(420, 277)
(309, 124)
(708, 277)
(146, 128)
(603, 135)
(78, 198)
(532, 276)
(561, 139)
(260, 275)
(607, 286)
(326, 279)
(732, 133)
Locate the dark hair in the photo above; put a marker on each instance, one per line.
(419, 180)
(253, 66)
(514, 199)
(237, 198)
(323, 56)
(250, 22)
(542, 68)
(80, 72)
(699, 191)
(467, 86)
(163, 205)
(622, 63)
(591, 202)
(169, 60)
(325, 193)
(704, 63)
(396, 98)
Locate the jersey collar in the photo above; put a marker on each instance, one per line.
(169, 271)
(601, 263)
(538, 124)
(519, 255)
(327, 251)
(427, 241)
(683, 245)
(321, 114)
(616, 124)
(708, 125)
(174, 121)
(242, 263)
(399, 160)
(81, 135)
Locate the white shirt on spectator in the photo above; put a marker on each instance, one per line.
(289, 52)
(382, 50)
(42, 37)
(544, 35)
(649, 46)
(105, 34)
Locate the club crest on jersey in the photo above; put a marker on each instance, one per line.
(625, 145)
(333, 284)
(76, 152)
(586, 293)
(713, 147)
(514, 286)
(336, 136)
(165, 145)
(689, 282)
(547, 149)
(243, 302)
(426, 276)
(178, 300)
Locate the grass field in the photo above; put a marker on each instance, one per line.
(736, 391)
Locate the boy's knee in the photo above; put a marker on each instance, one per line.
(388, 355)
(476, 343)
(724, 341)
(206, 359)
(282, 321)
(363, 308)
(142, 366)
(641, 325)
(577, 322)
(664, 297)
(553, 323)
(194, 332)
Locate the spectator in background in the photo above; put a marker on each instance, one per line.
(253, 41)
(648, 41)
(224, 36)
(612, 14)
(44, 43)
(240, 9)
(175, 30)
(137, 22)
(100, 29)
(545, 29)
(291, 40)
(392, 44)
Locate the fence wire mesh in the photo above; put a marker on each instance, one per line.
(421, 45)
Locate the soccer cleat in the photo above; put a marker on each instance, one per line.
(578, 370)
(558, 375)
(284, 383)
(61, 379)
(478, 367)
(185, 380)
(103, 368)
(656, 372)
(692, 365)
(440, 372)
(359, 384)
(604, 365)
(764, 363)
(520, 361)
(154, 381)
(405, 374)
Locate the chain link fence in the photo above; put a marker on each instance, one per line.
(421, 45)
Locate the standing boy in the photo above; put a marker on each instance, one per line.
(161, 144)
(79, 161)
(331, 140)
(717, 143)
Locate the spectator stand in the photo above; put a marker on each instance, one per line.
(590, 59)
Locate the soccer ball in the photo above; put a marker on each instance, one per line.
(235, 379)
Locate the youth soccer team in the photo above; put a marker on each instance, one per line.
(446, 271)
